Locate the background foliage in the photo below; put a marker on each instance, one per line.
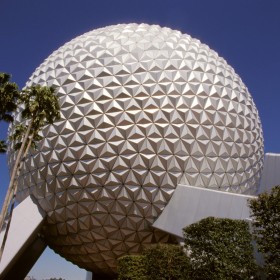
(266, 224)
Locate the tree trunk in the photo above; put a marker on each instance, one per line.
(9, 193)
(13, 194)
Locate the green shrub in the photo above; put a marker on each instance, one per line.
(132, 268)
(166, 262)
(159, 262)
(220, 249)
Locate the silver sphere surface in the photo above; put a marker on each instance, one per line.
(143, 108)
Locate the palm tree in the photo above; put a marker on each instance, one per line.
(3, 146)
(8, 102)
(40, 107)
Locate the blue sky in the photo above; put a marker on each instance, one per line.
(244, 32)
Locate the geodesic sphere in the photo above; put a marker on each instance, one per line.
(143, 108)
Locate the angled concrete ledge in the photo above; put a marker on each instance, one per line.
(270, 175)
(24, 245)
(190, 204)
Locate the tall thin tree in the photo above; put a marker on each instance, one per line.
(40, 107)
(8, 102)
